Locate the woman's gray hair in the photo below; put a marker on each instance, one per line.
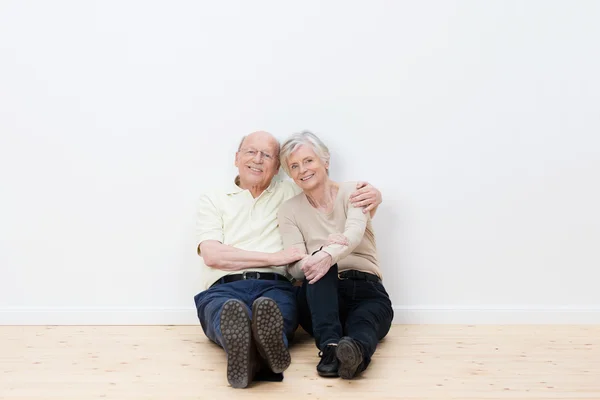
(299, 139)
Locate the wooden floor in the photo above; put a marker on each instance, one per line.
(413, 362)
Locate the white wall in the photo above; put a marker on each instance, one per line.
(479, 121)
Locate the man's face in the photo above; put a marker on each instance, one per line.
(257, 160)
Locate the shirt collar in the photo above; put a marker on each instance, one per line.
(234, 188)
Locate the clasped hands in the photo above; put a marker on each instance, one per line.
(316, 266)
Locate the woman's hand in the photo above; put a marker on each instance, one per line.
(337, 238)
(316, 266)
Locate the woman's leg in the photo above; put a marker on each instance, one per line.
(322, 300)
(369, 319)
(319, 316)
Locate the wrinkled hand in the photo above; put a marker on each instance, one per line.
(367, 196)
(337, 238)
(316, 266)
(295, 270)
(288, 256)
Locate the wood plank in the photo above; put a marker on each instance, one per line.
(413, 362)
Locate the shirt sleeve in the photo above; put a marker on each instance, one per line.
(209, 222)
(354, 230)
(292, 237)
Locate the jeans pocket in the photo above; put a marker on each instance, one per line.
(378, 287)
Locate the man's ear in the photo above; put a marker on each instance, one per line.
(237, 158)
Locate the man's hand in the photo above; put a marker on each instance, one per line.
(366, 195)
(316, 266)
(337, 238)
(287, 256)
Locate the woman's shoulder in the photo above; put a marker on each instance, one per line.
(348, 188)
(291, 205)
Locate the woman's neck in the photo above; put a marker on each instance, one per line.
(323, 196)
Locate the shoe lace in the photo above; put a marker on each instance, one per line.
(328, 355)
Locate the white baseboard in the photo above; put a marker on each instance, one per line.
(98, 316)
(402, 315)
(490, 315)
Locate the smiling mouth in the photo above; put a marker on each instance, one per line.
(255, 169)
(307, 177)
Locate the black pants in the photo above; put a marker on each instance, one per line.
(332, 308)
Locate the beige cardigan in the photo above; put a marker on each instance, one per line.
(302, 226)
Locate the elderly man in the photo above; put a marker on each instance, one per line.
(248, 303)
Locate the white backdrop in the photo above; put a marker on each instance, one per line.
(479, 122)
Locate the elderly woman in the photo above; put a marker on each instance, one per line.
(342, 302)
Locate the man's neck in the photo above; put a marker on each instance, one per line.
(255, 190)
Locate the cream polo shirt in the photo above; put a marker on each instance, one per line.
(233, 217)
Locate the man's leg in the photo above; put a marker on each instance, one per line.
(225, 319)
(284, 295)
(369, 319)
(235, 326)
(268, 333)
(274, 321)
(209, 304)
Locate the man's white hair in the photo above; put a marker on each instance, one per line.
(299, 139)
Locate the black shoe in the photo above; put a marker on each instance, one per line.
(328, 366)
(350, 356)
(238, 344)
(267, 328)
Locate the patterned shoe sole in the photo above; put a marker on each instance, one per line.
(236, 331)
(349, 357)
(267, 326)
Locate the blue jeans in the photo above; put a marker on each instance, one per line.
(210, 302)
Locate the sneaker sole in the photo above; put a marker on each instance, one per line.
(333, 374)
(349, 358)
(267, 327)
(235, 329)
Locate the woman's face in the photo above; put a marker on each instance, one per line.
(306, 168)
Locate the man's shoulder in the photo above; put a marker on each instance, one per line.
(214, 192)
(289, 188)
(283, 189)
(216, 195)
